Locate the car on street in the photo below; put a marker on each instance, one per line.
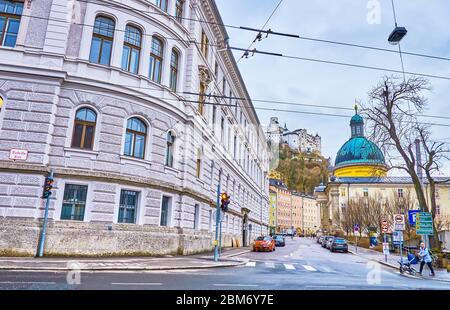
(339, 244)
(320, 239)
(329, 243)
(279, 240)
(264, 243)
(325, 240)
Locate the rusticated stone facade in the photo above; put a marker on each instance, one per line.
(48, 77)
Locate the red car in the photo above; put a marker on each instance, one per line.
(266, 244)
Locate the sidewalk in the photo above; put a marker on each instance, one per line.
(199, 261)
(392, 261)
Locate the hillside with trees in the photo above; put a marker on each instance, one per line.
(302, 172)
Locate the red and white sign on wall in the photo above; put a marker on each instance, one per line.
(385, 227)
(18, 154)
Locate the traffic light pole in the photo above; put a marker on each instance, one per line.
(216, 241)
(44, 227)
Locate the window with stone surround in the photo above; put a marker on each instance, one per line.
(166, 211)
(170, 141)
(162, 4)
(156, 60)
(74, 203)
(198, 169)
(102, 41)
(135, 139)
(179, 7)
(128, 206)
(10, 14)
(84, 129)
(174, 59)
(204, 44)
(131, 49)
(197, 217)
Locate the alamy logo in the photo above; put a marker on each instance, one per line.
(374, 14)
(74, 275)
(374, 274)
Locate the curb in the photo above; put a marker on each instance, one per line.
(123, 268)
(396, 268)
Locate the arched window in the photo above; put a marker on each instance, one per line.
(84, 129)
(131, 49)
(156, 60)
(170, 140)
(174, 70)
(135, 138)
(102, 41)
(162, 4)
(179, 7)
(10, 13)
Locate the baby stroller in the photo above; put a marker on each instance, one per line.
(406, 264)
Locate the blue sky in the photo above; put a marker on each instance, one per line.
(322, 84)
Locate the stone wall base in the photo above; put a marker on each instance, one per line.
(20, 237)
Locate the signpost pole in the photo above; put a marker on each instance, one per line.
(385, 241)
(44, 225)
(216, 242)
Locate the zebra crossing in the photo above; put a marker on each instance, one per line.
(287, 266)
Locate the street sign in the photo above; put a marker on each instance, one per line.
(397, 237)
(18, 154)
(424, 224)
(386, 248)
(356, 228)
(384, 227)
(399, 222)
(412, 214)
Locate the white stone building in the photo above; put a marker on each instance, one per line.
(299, 139)
(110, 98)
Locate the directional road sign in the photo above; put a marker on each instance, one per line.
(424, 224)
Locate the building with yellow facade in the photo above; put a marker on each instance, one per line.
(360, 171)
(284, 205)
(272, 211)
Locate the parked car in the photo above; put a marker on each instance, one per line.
(339, 244)
(329, 243)
(279, 240)
(325, 240)
(264, 243)
(319, 239)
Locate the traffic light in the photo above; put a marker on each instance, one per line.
(225, 201)
(48, 187)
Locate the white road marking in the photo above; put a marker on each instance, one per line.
(289, 266)
(270, 265)
(25, 282)
(138, 284)
(326, 269)
(325, 286)
(237, 285)
(251, 264)
(309, 268)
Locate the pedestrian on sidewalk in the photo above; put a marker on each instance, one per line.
(425, 258)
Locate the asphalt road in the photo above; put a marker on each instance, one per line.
(301, 265)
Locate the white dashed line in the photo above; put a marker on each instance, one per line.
(270, 265)
(309, 268)
(251, 264)
(289, 266)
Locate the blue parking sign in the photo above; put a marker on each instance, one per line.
(412, 217)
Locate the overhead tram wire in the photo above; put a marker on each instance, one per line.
(255, 51)
(244, 28)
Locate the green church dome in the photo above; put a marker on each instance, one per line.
(359, 150)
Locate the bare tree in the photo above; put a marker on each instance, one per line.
(392, 114)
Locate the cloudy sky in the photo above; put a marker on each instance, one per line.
(274, 78)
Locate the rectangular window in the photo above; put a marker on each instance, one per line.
(222, 130)
(179, 7)
(166, 211)
(216, 70)
(204, 44)
(201, 99)
(366, 192)
(438, 210)
(197, 217)
(74, 202)
(128, 206)
(400, 193)
(162, 4)
(10, 13)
